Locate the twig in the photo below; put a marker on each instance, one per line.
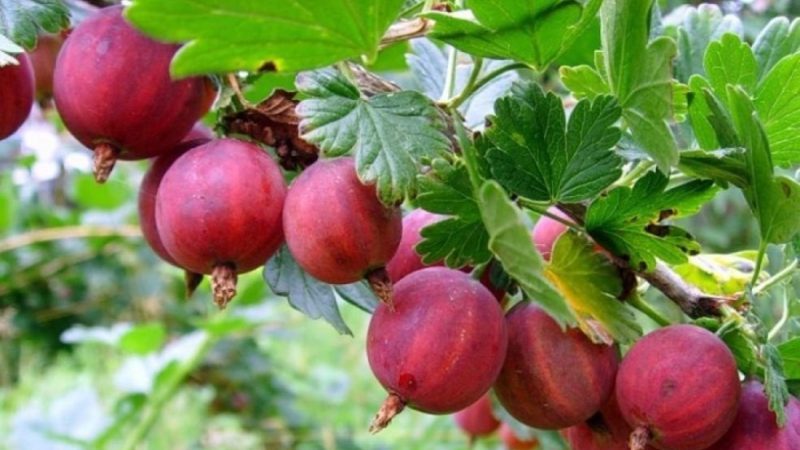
(405, 30)
(71, 232)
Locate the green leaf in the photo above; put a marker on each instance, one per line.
(144, 339)
(535, 153)
(510, 241)
(790, 354)
(107, 196)
(640, 75)
(391, 135)
(590, 283)
(730, 61)
(7, 51)
(774, 200)
(459, 240)
(719, 274)
(359, 295)
(584, 82)
(775, 383)
(778, 105)
(305, 293)
(530, 31)
(776, 40)
(625, 221)
(8, 203)
(722, 166)
(701, 26)
(23, 20)
(743, 348)
(290, 35)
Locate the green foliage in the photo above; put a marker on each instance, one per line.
(790, 354)
(242, 35)
(778, 39)
(390, 135)
(527, 31)
(625, 222)
(511, 243)
(535, 153)
(639, 73)
(775, 383)
(590, 283)
(23, 20)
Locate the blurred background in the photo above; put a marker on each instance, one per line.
(96, 335)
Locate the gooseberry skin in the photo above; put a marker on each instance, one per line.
(336, 227)
(679, 387)
(148, 191)
(16, 95)
(112, 86)
(547, 231)
(442, 347)
(755, 426)
(552, 379)
(606, 430)
(406, 259)
(221, 203)
(43, 60)
(477, 419)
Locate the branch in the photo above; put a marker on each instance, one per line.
(405, 30)
(72, 232)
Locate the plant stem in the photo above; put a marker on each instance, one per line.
(782, 321)
(161, 396)
(478, 85)
(785, 273)
(71, 232)
(636, 171)
(456, 101)
(762, 250)
(636, 301)
(450, 75)
(542, 210)
(344, 68)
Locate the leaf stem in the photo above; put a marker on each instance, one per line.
(782, 321)
(456, 101)
(156, 403)
(762, 250)
(478, 85)
(542, 210)
(646, 309)
(785, 273)
(636, 171)
(450, 75)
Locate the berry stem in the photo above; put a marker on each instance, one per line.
(381, 285)
(392, 406)
(223, 284)
(105, 156)
(639, 438)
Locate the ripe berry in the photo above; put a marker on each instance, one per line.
(218, 211)
(477, 419)
(114, 92)
(406, 259)
(547, 231)
(148, 192)
(43, 60)
(552, 378)
(514, 442)
(442, 347)
(606, 430)
(336, 227)
(678, 387)
(16, 95)
(755, 426)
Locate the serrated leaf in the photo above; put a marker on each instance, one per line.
(390, 135)
(462, 239)
(291, 35)
(625, 221)
(790, 354)
(775, 383)
(359, 295)
(778, 105)
(639, 73)
(701, 26)
(730, 61)
(590, 284)
(778, 39)
(535, 153)
(774, 200)
(428, 63)
(23, 20)
(510, 241)
(305, 293)
(584, 82)
(527, 31)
